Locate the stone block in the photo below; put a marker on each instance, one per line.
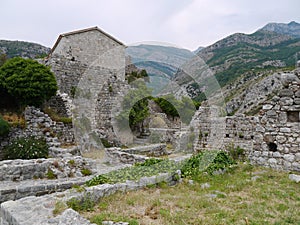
(297, 157)
(271, 113)
(287, 165)
(272, 161)
(267, 107)
(296, 166)
(281, 139)
(277, 155)
(286, 101)
(289, 157)
(297, 101)
(286, 93)
(285, 130)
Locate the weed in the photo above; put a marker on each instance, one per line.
(71, 162)
(86, 172)
(84, 204)
(50, 174)
(59, 208)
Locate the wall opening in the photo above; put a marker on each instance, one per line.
(272, 147)
(293, 116)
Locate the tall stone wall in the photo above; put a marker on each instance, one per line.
(270, 139)
(90, 68)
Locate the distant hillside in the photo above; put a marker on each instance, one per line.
(160, 62)
(239, 53)
(291, 29)
(22, 49)
(270, 48)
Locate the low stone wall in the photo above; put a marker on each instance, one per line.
(39, 210)
(19, 170)
(41, 125)
(154, 150)
(22, 178)
(116, 155)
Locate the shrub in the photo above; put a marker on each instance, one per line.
(50, 174)
(208, 161)
(26, 148)
(86, 172)
(4, 127)
(85, 204)
(28, 81)
(237, 153)
(149, 162)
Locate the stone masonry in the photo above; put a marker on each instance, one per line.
(271, 139)
(89, 66)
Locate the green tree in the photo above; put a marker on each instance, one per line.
(3, 59)
(135, 106)
(28, 81)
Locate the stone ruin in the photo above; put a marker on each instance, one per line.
(82, 60)
(270, 139)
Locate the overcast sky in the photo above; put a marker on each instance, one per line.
(185, 23)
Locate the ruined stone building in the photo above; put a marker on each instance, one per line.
(89, 66)
(270, 139)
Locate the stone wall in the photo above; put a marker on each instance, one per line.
(19, 170)
(61, 103)
(270, 139)
(89, 66)
(39, 124)
(277, 140)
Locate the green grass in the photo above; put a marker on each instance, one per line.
(232, 198)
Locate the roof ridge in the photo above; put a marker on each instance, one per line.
(82, 31)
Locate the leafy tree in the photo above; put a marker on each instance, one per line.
(185, 108)
(3, 59)
(28, 81)
(135, 106)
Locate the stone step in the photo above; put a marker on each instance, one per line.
(141, 141)
(10, 190)
(16, 190)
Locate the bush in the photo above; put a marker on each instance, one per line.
(237, 153)
(26, 148)
(28, 81)
(4, 127)
(208, 161)
(85, 204)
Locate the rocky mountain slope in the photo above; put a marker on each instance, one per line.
(243, 60)
(22, 49)
(291, 29)
(273, 46)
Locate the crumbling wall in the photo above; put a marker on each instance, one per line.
(39, 124)
(270, 139)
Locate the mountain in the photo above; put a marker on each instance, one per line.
(198, 50)
(291, 29)
(239, 55)
(160, 62)
(22, 49)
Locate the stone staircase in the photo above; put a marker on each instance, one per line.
(143, 139)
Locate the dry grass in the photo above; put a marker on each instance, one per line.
(232, 198)
(14, 119)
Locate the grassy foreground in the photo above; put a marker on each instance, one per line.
(246, 195)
